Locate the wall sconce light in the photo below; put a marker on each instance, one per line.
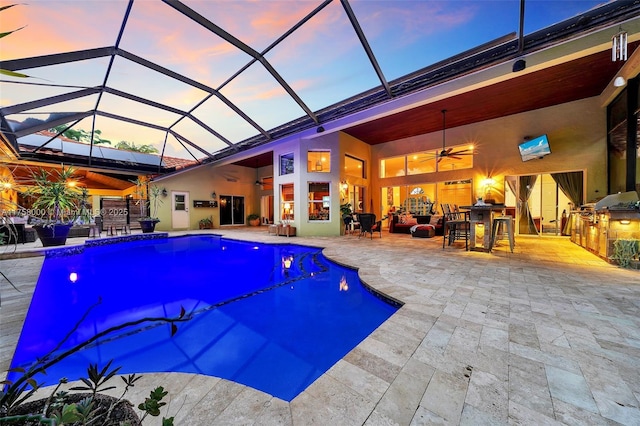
(619, 81)
(320, 129)
(214, 195)
(488, 182)
(625, 222)
(164, 192)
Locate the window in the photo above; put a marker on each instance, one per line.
(319, 201)
(390, 167)
(319, 161)
(179, 203)
(456, 162)
(416, 199)
(427, 162)
(353, 167)
(421, 162)
(286, 164)
(286, 201)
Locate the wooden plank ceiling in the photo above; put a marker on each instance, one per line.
(582, 78)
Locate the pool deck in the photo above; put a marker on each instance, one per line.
(549, 334)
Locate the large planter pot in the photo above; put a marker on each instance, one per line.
(254, 222)
(148, 225)
(53, 235)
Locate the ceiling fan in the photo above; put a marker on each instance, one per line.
(450, 152)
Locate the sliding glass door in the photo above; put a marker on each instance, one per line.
(231, 210)
(542, 203)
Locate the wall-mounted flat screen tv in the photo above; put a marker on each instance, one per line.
(534, 148)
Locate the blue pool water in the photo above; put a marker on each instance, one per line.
(273, 317)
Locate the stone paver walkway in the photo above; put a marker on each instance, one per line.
(547, 335)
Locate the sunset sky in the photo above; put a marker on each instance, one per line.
(322, 60)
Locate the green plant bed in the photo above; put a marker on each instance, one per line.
(206, 223)
(122, 413)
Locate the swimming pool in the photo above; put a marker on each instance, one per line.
(271, 316)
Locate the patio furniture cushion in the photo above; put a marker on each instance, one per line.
(423, 231)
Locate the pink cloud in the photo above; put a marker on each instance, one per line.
(53, 27)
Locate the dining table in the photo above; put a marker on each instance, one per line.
(480, 222)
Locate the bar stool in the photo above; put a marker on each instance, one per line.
(501, 222)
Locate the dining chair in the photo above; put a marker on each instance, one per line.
(456, 225)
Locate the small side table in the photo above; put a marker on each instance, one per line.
(289, 231)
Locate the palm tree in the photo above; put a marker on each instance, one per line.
(131, 146)
(81, 135)
(4, 34)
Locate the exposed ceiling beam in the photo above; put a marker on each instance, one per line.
(365, 45)
(56, 59)
(45, 125)
(18, 108)
(196, 17)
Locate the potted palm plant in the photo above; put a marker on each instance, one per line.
(254, 219)
(148, 223)
(56, 199)
(206, 223)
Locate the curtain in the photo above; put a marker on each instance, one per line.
(526, 223)
(571, 185)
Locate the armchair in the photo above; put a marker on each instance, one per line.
(367, 222)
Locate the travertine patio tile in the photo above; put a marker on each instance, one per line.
(401, 400)
(528, 387)
(570, 387)
(445, 395)
(333, 403)
(544, 357)
(551, 335)
(472, 416)
(494, 337)
(366, 384)
(488, 394)
(373, 364)
(523, 415)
